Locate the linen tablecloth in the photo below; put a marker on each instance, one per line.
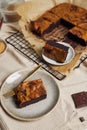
(64, 116)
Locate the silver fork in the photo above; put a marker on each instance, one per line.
(81, 61)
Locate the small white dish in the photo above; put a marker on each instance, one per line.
(69, 57)
(34, 111)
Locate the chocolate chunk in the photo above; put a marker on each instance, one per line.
(81, 119)
(80, 99)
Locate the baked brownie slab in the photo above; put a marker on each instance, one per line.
(71, 15)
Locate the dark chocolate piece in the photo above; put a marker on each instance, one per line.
(81, 119)
(80, 99)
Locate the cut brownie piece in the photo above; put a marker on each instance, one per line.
(40, 25)
(80, 33)
(49, 16)
(29, 92)
(80, 99)
(56, 51)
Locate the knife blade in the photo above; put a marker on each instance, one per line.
(12, 92)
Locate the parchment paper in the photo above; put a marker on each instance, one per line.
(32, 10)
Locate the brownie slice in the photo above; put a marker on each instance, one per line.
(80, 34)
(49, 16)
(30, 92)
(80, 99)
(56, 51)
(40, 25)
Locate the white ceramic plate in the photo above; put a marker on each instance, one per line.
(33, 111)
(69, 57)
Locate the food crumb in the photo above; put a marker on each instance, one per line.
(81, 119)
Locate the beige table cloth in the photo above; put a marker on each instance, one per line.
(64, 116)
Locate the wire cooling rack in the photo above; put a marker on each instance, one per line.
(18, 41)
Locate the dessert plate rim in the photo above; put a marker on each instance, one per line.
(34, 111)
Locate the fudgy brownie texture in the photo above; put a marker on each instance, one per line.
(71, 15)
(79, 32)
(56, 51)
(30, 92)
(80, 99)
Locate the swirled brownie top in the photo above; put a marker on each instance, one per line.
(71, 14)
